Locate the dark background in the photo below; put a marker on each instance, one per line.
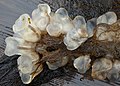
(10, 10)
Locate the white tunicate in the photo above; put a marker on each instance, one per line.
(28, 45)
(67, 26)
(58, 63)
(31, 54)
(45, 8)
(52, 66)
(117, 65)
(91, 24)
(21, 23)
(61, 17)
(108, 18)
(42, 23)
(79, 22)
(24, 28)
(29, 34)
(114, 73)
(101, 67)
(26, 78)
(101, 29)
(17, 46)
(102, 33)
(70, 43)
(107, 36)
(25, 64)
(28, 68)
(80, 25)
(40, 16)
(73, 40)
(54, 29)
(64, 61)
(101, 19)
(61, 13)
(81, 40)
(82, 63)
(23, 43)
(11, 46)
(111, 17)
(73, 34)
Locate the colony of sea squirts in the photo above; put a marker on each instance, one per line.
(55, 38)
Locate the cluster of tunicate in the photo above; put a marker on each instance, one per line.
(28, 32)
(110, 33)
(100, 68)
(82, 63)
(23, 43)
(106, 29)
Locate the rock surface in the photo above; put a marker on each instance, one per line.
(10, 10)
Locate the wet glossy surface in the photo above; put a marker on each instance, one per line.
(10, 10)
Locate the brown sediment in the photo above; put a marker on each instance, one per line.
(55, 48)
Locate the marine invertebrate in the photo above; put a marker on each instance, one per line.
(82, 63)
(114, 74)
(53, 38)
(101, 67)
